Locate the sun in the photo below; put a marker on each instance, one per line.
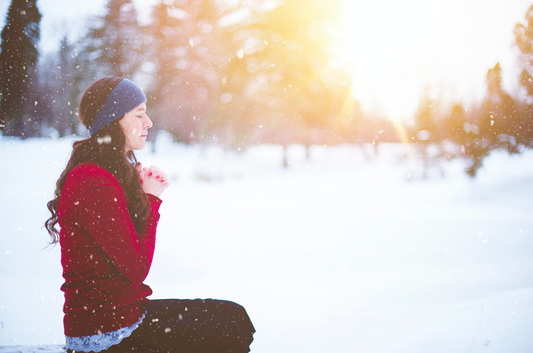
(394, 49)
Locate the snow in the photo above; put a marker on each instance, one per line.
(43, 348)
(335, 254)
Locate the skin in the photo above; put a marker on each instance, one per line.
(135, 125)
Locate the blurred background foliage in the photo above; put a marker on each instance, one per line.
(243, 73)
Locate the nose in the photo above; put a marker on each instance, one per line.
(148, 123)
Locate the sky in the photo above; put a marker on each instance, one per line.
(397, 47)
(400, 47)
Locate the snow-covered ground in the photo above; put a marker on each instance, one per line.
(335, 254)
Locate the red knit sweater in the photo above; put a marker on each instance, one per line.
(104, 260)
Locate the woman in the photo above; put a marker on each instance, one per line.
(107, 207)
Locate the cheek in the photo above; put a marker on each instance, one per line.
(137, 127)
(132, 128)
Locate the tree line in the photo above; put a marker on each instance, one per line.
(241, 74)
(498, 121)
(207, 77)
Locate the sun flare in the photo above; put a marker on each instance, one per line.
(398, 48)
(381, 44)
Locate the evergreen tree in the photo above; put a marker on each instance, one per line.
(114, 44)
(425, 132)
(525, 125)
(167, 48)
(499, 122)
(524, 42)
(49, 83)
(60, 91)
(187, 53)
(425, 119)
(495, 124)
(280, 77)
(461, 129)
(18, 76)
(454, 125)
(475, 147)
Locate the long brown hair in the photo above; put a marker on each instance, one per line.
(107, 147)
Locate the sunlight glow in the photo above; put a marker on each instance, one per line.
(380, 73)
(399, 126)
(398, 48)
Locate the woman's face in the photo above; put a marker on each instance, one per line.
(135, 125)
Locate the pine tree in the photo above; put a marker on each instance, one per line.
(18, 76)
(495, 126)
(167, 48)
(115, 43)
(499, 122)
(426, 119)
(454, 124)
(524, 42)
(69, 92)
(425, 131)
(187, 53)
(281, 75)
(59, 89)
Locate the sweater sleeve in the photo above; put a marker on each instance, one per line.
(108, 221)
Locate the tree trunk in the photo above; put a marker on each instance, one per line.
(285, 159)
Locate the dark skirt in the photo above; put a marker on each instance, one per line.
(190, 326)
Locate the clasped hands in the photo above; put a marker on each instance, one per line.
(153, 180)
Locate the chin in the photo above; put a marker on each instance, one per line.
(137, 147)
(141, 145)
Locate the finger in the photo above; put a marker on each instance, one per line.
(160, 175)
(152, 171)
(139, 167)
(142, 175)
(149, 171)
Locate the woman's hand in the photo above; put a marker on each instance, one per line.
(153, 180)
